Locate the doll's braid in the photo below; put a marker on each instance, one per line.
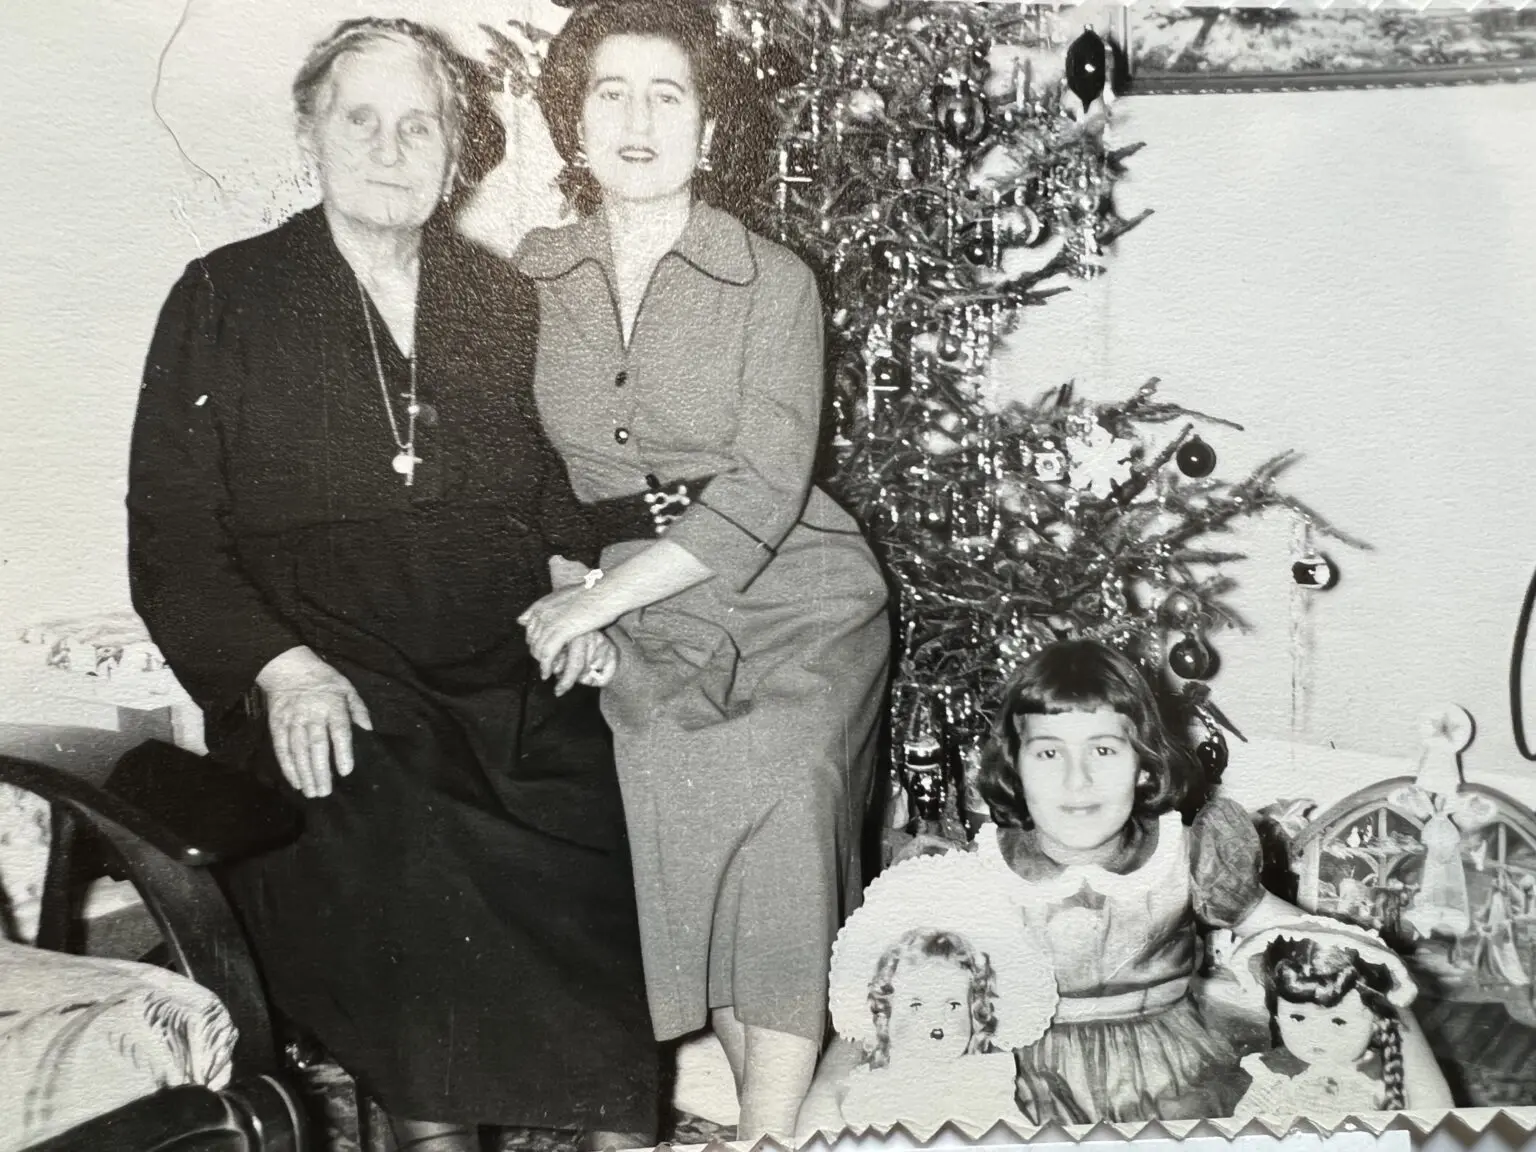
(1387, 1038)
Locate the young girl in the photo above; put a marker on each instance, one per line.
(1334, 1018)
(1084, 785)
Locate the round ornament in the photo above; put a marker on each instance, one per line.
(865, 105)
(1213, 755)
(1315, 572)
(978, 242)
(1178, 609)
(1088, 67)
(961, 114)
(951, 344)
(1021, 226)
(1190, 659)
(1196, 458)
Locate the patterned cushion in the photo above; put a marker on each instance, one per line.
(80, 1036)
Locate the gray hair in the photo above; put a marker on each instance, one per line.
(360, 35)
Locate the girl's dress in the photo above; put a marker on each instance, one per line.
(1128, 1043)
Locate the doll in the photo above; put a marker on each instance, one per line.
(936, 1008)
(931, 1000)
(1334, 998)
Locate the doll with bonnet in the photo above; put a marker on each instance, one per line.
(1337, 997)
(937, 979)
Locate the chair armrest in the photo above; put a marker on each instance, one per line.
(200, 810)
(192, 808)
(252, 1116)
(205, 942)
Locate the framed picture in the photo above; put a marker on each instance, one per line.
(1216, 49)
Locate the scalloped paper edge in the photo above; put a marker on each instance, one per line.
(1470, 1122)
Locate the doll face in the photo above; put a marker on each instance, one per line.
(930, 1011)
(1331, 1037)
(1078, 770)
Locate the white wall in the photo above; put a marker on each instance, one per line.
(1352, 274)
(1345, 273)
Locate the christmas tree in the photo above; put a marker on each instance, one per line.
(944, 167)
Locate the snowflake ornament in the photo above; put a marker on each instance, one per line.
(1100, 460)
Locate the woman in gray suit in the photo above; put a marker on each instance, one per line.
(753, 634)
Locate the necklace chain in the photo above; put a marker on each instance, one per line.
(404, 463)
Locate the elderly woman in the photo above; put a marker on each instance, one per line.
(341, 495)
(754, 635)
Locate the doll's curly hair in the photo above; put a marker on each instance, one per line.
(931, 944)
(1081, 676)
(1304, 971)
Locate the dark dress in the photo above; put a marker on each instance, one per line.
(457, 922)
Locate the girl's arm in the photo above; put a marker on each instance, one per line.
(1269, 912)
(821, 1111)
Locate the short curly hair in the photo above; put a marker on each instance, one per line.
(745, 125)
(931, 944)
(1080, 676)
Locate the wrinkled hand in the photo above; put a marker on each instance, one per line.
(311, 708)
(553, 622)
(590, 659)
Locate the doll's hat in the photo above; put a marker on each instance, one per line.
(1247, 960)
(956, 893)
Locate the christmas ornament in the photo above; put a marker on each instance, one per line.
(864, 105)
(1315, 572)
(873, 5)
(1196, 458)
(961, 113)
(977, 243)
(923, 762)
(1179, 609)
(1190, 659)
(1088, 67)
(951, 343)
(1213, 755)
(1050, 466)
(885, 374)
(1020, 226)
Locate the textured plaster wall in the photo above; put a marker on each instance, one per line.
(1350, 274)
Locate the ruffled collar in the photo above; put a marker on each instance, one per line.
(1144, 842)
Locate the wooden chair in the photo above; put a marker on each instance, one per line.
(162, 819)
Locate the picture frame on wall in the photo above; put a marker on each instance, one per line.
(1278, 49)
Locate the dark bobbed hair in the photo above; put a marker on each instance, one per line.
(745, 125)
(476, 138)
(1304, 971)
(931, 944)
(1081, 676)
